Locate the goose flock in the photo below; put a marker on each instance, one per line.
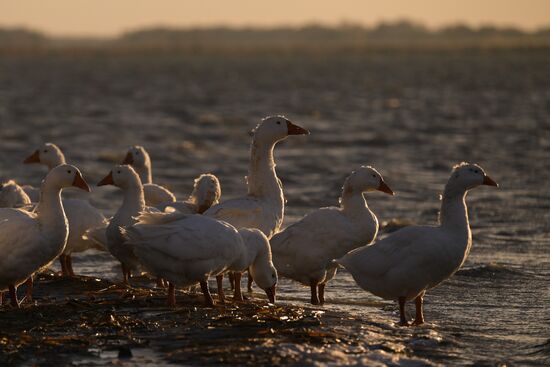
(183, 243)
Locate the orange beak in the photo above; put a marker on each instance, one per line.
(80, 183)
(489, 181)
(271, 293)
(129, 159)
(385, 188)
(107, 180)
(295, 129)
(33, 158)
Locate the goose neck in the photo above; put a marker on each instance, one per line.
(262, 178)
(134, 200)
(50, 209)
(454, 213)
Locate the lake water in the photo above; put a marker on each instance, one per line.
(412, 115)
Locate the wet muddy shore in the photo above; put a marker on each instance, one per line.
(88, 321)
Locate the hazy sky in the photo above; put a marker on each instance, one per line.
(110, 17)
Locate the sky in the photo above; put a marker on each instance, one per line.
(106, 18)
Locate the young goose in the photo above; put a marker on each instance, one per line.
(404, 265)
(13, 196)
(30, 241)
(188, 249)
(206, 192)
(263, 206)
(133, 204)
(80, 213)
(139, 159)
(304, 251)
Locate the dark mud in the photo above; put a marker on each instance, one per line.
(88, 321)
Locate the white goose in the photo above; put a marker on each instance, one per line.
(404, 265)
(80, 213)
(206, 192)
(304, 251)
(139, 159)
(263, 206)
(13, 196)
(133, 204)
(30, 241)
(188, 249)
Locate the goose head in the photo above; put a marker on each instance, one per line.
(65, 175)
(122, 176)
(206, 192)
(366, 179)
(466, 176)
(137, 156)
(262, 269)
(48, 154)
(276, 128)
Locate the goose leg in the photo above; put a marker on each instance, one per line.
(171, 295)
(206, 292)
(221, 294)
(69, 265)
(63, 263)
(419, 319)
(28, 293)
(250, 282)
(314, 296)
(125, 275)
(322, 293)
(13, 296)
(402, 318)
(2, 298)
(237, 295)
(231, 278)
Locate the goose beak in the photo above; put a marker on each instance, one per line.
(489, 181)
(107, 180)
(33, 158)
(295, 129)
(129, 159)
(80, 183)
(271, 293)
(385, 188)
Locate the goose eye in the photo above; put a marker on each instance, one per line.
(68, 171)
(278, 122)
(273, 276)
(373, 175)
(45, 151)
(137, 153)
(476, 171)
(118, 172)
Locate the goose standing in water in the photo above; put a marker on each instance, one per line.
(155, 194)
(263, 206)
(80, 213)
(304, 251)
(133, 204)
(404, 265)
(30, 241)
(187, 249)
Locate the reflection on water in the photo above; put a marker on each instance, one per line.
(411, 115)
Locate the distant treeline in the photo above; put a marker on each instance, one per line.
(387, 34)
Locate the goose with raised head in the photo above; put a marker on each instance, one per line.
(133, 204)
(304, 251)
(30, 241)
(80, 213)
(188, 249)
(155, 194)
(13, 196)
(263, 206)
(404, 265)
(206, 192)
